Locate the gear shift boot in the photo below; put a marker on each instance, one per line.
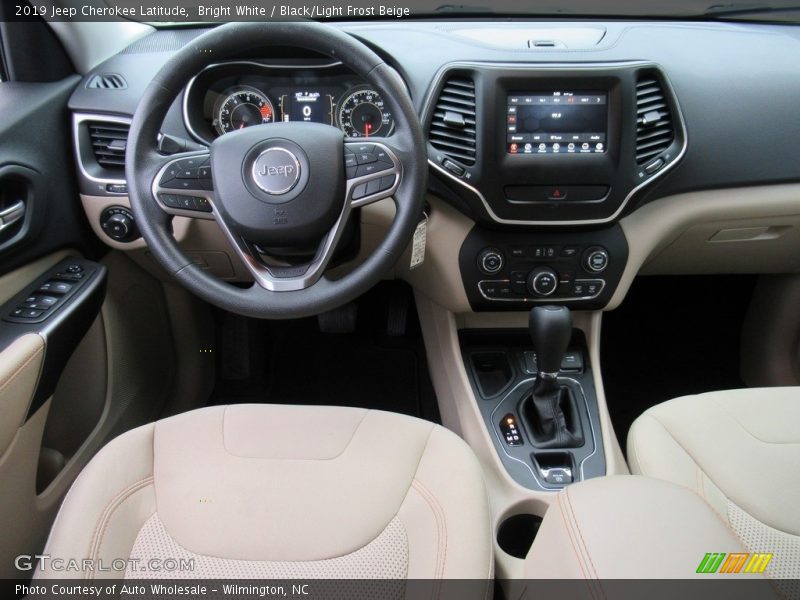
(553, 418)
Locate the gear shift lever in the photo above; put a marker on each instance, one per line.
(551, 410)
(551, 329)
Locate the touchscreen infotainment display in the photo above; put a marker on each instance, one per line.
(557, 122)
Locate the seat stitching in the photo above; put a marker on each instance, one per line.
(636, 454)
(733, 418)
(583, 541)
(701, 488)
(568, 529)
(10, 378)
(570, 536)
(685, 451)
(108, 512)
(93, 540)
(441, 529)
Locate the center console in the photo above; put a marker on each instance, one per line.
(537, 398)
(545, 158)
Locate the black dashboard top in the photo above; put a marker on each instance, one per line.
(736, 84)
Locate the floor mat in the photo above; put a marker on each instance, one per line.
(293, 362)
(672, 336)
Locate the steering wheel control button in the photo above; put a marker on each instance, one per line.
(276, 171)
(543, 281)
(383, 156)
(387, 182)
(491, 261)
(596, 259)
(202, 204)
(180, 184)
(361, 148)
(365, 158)
(169, 200)
(370, 168)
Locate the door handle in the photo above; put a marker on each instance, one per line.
(12, 214)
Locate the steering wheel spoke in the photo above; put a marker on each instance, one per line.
(373, 172)
(271, 274)
(183, 185)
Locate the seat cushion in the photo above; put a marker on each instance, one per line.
(626, 527)
(269, 491)
(740, 451)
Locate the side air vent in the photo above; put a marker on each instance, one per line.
(654, 126)
(453, 125)
(107, 81)
(109, 141)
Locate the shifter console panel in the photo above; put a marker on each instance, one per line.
(503, 371)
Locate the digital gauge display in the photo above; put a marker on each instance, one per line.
(309, 106)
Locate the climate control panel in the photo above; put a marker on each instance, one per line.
(514, 271)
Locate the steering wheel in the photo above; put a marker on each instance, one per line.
(277, 186)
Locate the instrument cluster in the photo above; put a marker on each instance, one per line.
(234, 95)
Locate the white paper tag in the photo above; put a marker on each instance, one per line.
(418, 245)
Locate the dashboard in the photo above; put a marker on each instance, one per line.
(548, 153)
(237, 94)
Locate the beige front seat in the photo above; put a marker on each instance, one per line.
(739, 451)
(271, 492)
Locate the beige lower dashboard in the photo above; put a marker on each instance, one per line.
(742, 230)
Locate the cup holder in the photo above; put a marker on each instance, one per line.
(516, 534)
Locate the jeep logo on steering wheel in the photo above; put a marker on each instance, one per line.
(276, 171)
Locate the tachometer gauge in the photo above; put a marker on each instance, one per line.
(362, 113)
(242, 107)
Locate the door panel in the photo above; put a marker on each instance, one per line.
(37, 170)
(42, 232)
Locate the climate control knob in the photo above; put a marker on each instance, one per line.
(490, 261)
(542, 281)
(595, 259)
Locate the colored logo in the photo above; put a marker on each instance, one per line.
(736, 562)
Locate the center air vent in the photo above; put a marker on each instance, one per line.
(452, 129)
(107, 81)
(654, 126)
(109, 141)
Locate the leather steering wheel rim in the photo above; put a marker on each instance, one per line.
(143, 163)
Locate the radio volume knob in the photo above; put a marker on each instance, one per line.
(542, 281)
(490, 261)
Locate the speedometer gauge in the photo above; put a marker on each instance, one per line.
(362, 113)
(241, 107)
